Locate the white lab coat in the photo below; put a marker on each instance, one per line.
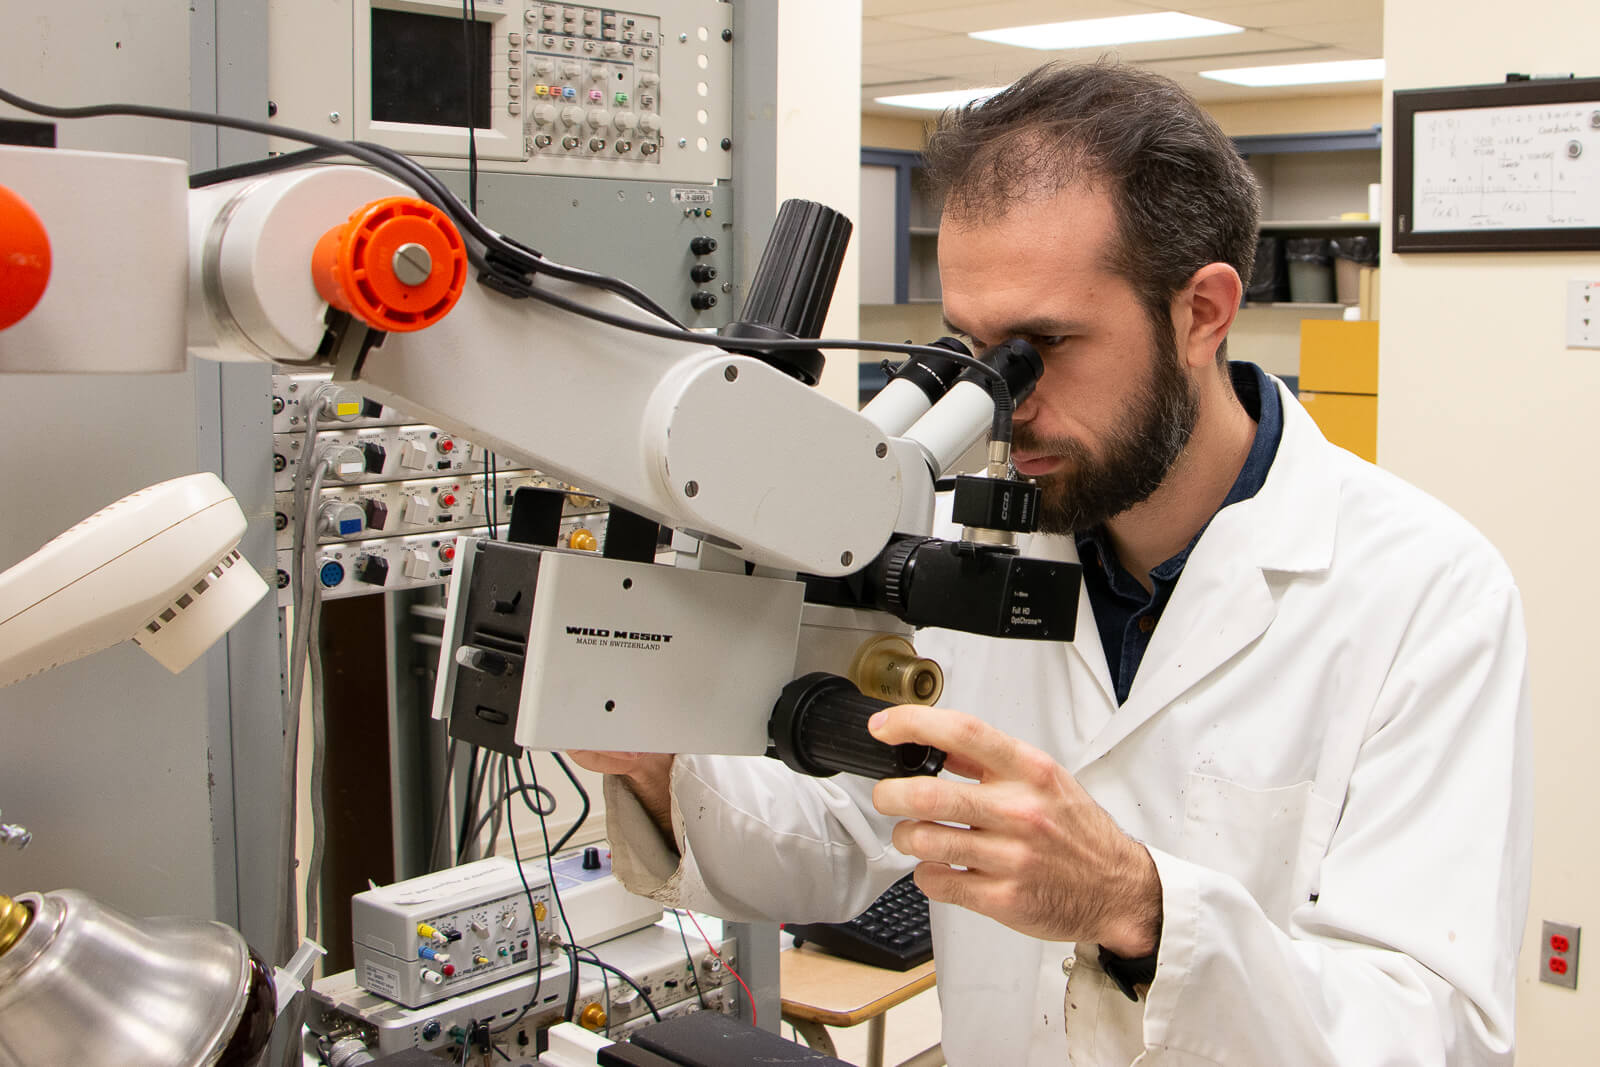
(1326, 749)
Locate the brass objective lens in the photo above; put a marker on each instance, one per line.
(14, 921)
(887, 667)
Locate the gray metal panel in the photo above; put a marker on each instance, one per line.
(127, 773)
(755, 177)
(755, 132)
(107, 760)
(251, 703)
(630, 229)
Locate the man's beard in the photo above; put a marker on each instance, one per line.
(1136, 457)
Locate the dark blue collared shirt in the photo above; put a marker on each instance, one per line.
(1124, 613)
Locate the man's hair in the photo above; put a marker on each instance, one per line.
(1183, 196)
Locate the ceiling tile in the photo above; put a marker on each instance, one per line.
(1294, 12)
(877, 8)
(945, 46)
(879, 31)
(993, 16)
(876, 81)
(1365, 37)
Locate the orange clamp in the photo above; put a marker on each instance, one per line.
(397, 264)
(24, 258)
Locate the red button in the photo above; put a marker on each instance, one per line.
(1558, 965)
(447, 499)
(449, 969)
(1559, 943)
(447, 552)
(446, 445)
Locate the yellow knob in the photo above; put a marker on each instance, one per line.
(592, 1017)
(14, 921)
(426, 931)
(888, 667)
(583, 540)
(539, 911)
(479, 958)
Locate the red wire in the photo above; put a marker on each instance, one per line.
(724, 962)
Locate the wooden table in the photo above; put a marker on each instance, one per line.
(819, 990)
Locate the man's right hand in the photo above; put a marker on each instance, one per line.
(648, 774)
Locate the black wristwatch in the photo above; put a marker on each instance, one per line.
(1130, 973)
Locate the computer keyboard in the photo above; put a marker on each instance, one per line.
(892, 933)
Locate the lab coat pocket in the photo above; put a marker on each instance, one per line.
(1269, 840)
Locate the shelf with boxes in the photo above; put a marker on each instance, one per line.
(1319, 230)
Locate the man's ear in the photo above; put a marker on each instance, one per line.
(1212, 296)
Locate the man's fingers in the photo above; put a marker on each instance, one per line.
(931, 800)
(977, 746)
(951, 846)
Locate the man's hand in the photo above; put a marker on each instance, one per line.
(649, 775)
(1032, 849)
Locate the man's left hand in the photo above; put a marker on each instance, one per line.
(1031, 849)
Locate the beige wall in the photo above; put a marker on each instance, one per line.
(1302, 114)
(1482, 405)
(819, 97)
(884, 131)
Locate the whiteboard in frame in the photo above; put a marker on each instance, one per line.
(1487, 168)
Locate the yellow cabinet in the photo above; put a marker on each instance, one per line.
(1339, 382)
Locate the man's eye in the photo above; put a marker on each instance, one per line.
(1048, 342)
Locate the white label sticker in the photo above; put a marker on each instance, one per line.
(380, 980)
(691, 196)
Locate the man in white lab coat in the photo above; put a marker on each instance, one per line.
(1272, 806)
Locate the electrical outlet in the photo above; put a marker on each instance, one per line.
(1583, 314)
(1558, 954)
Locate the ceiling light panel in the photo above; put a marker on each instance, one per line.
(938, 101)
(1097, 33)
(1344, 70)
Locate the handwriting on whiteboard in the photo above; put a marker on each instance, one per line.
(1507, 168)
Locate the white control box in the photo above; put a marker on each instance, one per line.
(433, 937)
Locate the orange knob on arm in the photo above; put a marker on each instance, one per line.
(24, 258)
(398, 264)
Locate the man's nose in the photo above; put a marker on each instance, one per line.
(1029, 408)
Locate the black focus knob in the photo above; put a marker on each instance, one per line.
(591, 859)
(701, 273)
(703, 246)
(703, 300)
(819, 727)
(375, 454)
(373, 570)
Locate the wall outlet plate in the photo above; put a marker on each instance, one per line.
(1583, 314)
(1558, 953)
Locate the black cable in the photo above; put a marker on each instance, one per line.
(596, 961)
(522, 783)
(380, 157)
(689, 956)
(413, 174)
(444, 806)
(572, 982)
(522, 790)
(258, 167)
(469, 19)
(383, 159)
(759, 344)
(583, 796)
(538, 946)
(469, 808)
(410, 172)
(494, 495)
